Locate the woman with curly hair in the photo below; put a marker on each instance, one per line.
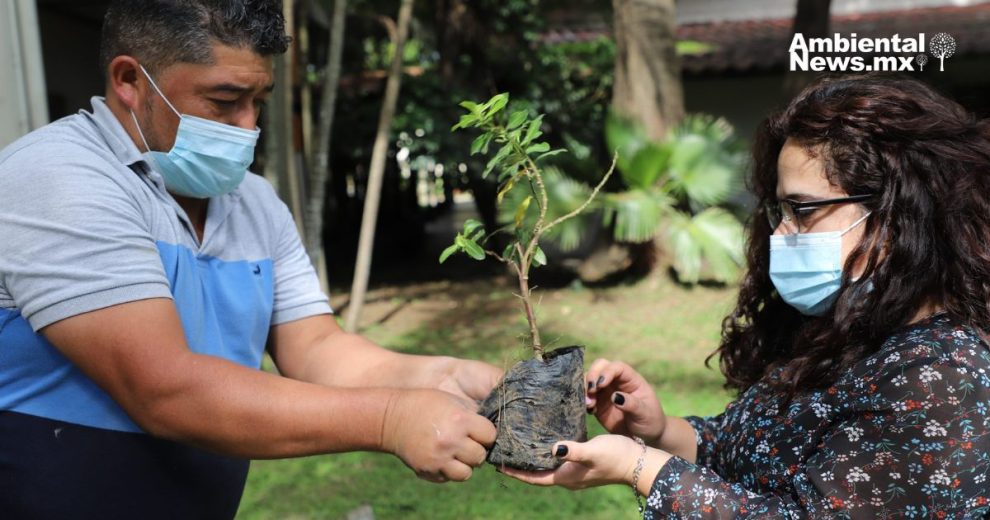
(857, 346)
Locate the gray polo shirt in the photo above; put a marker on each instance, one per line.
(86, 224)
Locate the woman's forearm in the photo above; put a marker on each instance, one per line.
(678, 438)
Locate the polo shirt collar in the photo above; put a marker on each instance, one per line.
(120, 142)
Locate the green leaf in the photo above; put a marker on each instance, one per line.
(480, 144)
(706, 162)
(495, 161)
(700, 171)
(447, 252)
(538, 148)
(686, 250)
(709, 244)
(722, 242)
(637, 214)
(506, 188)
(473, 107)
(470, 247)
(533, 131)
(509, 251)
(474, 250)
(496, 104)
(539, 257)
(646, 166)
(521, 210)
(517, 119)
(564, 195)
(693, 47)
(466, 121)
(551, 153)
(471, 225)
(624, 136)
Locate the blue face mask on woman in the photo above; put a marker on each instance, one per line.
(806, 268)
(208, 158)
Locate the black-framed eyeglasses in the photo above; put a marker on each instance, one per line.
(791, 212)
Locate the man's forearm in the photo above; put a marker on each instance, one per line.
(349, 360)
(237, 411)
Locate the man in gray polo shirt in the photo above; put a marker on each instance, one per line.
(143, 275)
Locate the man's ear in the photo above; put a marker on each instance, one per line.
(124, 81)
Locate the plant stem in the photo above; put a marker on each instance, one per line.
(525, 256)
(522, 270)
(590, 198)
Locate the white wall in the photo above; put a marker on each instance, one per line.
(23, 105)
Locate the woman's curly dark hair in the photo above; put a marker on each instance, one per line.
(926, 160)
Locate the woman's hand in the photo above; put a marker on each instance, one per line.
(606, 459)
(624, 402)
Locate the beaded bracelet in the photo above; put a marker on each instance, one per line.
(636, 471)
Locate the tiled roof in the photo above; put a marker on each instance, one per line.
(738, 46)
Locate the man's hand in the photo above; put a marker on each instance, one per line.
(624, 402)
(439, 436)
(472, 380)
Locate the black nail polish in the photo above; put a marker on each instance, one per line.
(601, 379)
(561, 451)
(619, 399)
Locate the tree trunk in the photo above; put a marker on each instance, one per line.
(456, 30)
(377, 170)
(321, 159)
(282, 131)
(811, 20)
(647, 91)
(647, 70)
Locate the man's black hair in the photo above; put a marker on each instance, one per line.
(160, 33)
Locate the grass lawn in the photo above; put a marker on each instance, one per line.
(664, 330)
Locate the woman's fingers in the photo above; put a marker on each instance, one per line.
(593, 378)
(604, 373)
(606, 376)
(615, 372)
(569, 451)
(631, 406)
(602, 460)
(537, 478)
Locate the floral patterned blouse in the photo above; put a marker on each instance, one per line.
(904, 434)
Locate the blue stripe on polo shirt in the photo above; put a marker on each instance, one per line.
(225, 308)
(36, 379)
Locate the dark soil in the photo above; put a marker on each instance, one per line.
(537, 404)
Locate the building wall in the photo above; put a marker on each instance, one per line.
(697, 11)
(742, 100)
(745, 100)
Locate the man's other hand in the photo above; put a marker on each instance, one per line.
(439, 436)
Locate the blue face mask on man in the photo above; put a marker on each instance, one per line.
(806, 268)
(208, 158)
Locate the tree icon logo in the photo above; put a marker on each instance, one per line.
(921, 60)
(942, 46)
